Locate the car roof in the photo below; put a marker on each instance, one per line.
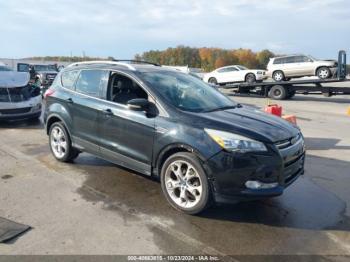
(110, 65)
(288, 56)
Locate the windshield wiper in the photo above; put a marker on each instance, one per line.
(224, 108)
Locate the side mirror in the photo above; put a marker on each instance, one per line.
(138, 104)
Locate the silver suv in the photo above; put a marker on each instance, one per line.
(286, 67)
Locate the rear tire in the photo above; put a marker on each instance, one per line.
(61, 144)
(185, 184)
(278, 92)
(278, 76)
(250, 78)
(213, 81)
(323, 72)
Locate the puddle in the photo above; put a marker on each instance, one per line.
(6, 177)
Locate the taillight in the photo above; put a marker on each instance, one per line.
(49, 92)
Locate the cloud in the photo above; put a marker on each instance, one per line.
(123, 28)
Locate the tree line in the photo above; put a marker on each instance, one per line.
(207, 58)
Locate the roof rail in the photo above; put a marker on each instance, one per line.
(102, 62)
(136, 62)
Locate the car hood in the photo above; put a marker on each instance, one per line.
(250, 122)
(13, 79)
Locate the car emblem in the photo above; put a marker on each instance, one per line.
(294, 140)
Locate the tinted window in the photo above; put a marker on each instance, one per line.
(186, 92)
(68, 78)
(290, 59)
(45, 68)
(277, 61)
(89, 82)
(23, 67)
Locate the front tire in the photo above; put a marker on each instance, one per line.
(185, 184)
(60, 143)
(278, 76)
(213, 81)
(323, 72)
(250, 78)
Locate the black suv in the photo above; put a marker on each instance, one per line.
(204, 147)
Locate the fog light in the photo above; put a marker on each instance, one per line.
(259, 185)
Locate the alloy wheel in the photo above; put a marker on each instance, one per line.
(58, 142)
(278, 76)
(183, 184)
(323, 73)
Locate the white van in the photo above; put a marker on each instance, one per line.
(18, 98)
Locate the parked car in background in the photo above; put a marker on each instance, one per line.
(203, 146)
(234, 73)
(286, 67)
(40, 74)
(18, 98)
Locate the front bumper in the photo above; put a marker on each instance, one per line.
(228, 172)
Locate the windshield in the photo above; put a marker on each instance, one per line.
(313, 58)
(186, 92)
(5, 68)
(242, 67)
(39, 68)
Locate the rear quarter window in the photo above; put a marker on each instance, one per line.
(277, 61)
(68, 78)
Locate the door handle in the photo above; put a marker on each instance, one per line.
(69, 100)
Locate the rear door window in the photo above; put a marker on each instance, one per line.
(89, 82)
(290, 59)
(68, 79)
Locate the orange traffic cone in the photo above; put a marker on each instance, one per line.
(290, 118)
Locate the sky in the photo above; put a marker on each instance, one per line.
(124, 28)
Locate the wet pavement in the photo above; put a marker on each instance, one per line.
(127, 213)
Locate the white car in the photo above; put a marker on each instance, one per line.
(18, 99)
(234, 73)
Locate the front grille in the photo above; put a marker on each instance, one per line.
(288, 142)
(15, 111)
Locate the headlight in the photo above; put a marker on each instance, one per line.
(233, 142)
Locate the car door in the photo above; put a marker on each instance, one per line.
(229, 74)
(289, 66)
(85, 108)
(307, 67)
(127, 136)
